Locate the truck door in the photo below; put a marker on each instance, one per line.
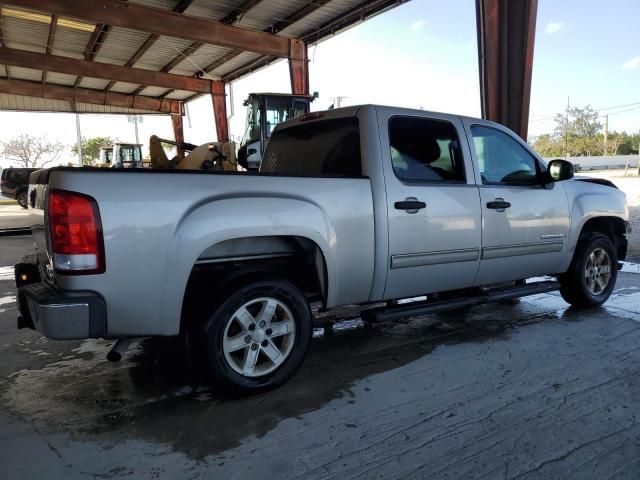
(433, 205)
(524, 224)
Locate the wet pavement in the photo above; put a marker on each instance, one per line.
(529, 389)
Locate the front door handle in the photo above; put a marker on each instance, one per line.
(410, 205)
(498, 204)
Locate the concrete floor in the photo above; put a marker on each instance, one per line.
(527, 390)
(12, 215)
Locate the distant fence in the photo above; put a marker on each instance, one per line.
(604, 163)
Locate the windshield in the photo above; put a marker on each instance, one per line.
(282, 109)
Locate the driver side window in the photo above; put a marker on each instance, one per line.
(502, 160)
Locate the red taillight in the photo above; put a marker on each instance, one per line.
(76, 233)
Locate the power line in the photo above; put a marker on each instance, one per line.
(596, 110)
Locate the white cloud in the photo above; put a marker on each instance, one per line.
(632, 63)
(553, 27)
(417, 25)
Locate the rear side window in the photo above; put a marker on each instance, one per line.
(325, 148)
(425, 150)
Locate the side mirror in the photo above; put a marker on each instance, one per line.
(558, 170)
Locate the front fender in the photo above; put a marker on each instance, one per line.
(588, 201)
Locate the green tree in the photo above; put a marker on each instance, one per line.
(91, 148)
(577, 130)
(548, 145)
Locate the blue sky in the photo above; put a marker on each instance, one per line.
(423, 54)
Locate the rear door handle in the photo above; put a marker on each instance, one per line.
(410, 205)
(498, 204)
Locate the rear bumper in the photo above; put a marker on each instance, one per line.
(61, 315)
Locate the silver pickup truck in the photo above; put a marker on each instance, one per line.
(362, 205)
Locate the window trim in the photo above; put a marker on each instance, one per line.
(535, 183)
(463, 182)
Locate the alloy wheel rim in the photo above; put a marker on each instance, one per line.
(258, 337)
(597, 271)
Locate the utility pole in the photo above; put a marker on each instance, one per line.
(78, 133)
(566, 131)
(606, 133)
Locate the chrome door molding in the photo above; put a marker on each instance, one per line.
(435, 258)
(521, 249)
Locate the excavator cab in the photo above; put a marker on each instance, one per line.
(127, 155)
(264, 112)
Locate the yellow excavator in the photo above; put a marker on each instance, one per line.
(220, 156)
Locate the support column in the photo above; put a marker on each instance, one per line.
(506, 35)
(178, 132)
(220, 110)
(298, 67)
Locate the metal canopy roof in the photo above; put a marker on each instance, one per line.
(147, 56)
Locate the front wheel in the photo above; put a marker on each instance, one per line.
(21, 198)
(593, 272)
(258, 337)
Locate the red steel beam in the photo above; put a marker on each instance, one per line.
(3, 42)
(72, 66)
(299, 68)
(162, 22)
(220, 110)
(95, 97)
(506, 36)
(178, 132)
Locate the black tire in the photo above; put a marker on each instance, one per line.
(21, 198)
(214, 330)
(573, 283)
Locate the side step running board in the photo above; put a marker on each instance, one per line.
(393, 313)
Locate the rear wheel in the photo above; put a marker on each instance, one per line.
(258, 337)
(593, 272)
(21, 198)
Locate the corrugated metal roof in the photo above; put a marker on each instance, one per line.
(29, 30)
(25, 34)
(200, 59)
(179, 95)
(37, 104)
(60, 78)
(266, 14)
(120, 45)
(235, 63)
(69, 42)
(123, 87)
(154, 91)
(212, 10)
(94, 83)
(21, 73)
(161, 53)
(320, 16)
